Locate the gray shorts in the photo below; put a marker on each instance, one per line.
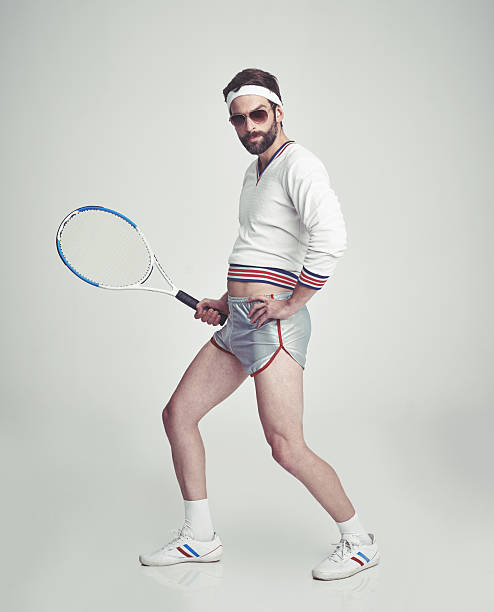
(257, 347)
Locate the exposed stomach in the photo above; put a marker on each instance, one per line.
(241, 289)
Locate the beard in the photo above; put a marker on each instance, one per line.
(263, 141)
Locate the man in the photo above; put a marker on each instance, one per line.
(290, 236)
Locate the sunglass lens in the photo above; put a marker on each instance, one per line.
(237, 120)
(259, 116)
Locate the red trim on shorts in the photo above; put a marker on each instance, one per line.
(279, 333)
(266, 364)
(220, 347)
(277, 350)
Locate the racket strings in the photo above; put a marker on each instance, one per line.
(105, 249)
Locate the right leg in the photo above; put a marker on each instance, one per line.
(211, 377)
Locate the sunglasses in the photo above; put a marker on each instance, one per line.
(258, 116)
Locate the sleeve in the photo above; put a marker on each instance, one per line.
(308, 185)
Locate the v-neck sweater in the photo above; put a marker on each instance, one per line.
(291, 228)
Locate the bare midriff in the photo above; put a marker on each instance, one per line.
(238, 289)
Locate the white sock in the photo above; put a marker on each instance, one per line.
(199, 518)
(355, 527)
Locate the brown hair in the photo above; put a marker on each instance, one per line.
(254, 76)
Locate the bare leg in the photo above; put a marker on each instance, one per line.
(279, 391)
(211, 377)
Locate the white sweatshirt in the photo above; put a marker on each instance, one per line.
(291, 226)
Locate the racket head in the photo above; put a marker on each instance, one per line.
(104, 248)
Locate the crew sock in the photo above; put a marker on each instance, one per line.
(199, 518)
(354, 526)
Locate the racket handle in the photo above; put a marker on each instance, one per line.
(187, 299)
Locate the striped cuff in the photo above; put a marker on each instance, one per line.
(311, 280)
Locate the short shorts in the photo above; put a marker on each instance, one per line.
(257, 347)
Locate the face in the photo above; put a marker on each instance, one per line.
(256, 137)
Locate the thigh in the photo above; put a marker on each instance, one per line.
(279, 392)
(211, 377)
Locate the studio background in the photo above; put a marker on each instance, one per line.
(119, 104)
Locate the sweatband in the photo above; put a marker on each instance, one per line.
(256, 90)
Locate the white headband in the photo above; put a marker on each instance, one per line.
(256, 90)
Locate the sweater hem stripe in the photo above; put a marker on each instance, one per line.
(275, 276)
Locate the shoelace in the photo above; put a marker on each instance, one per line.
(344, 548)
(180, 534)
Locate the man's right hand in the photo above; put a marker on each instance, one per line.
(205, 312)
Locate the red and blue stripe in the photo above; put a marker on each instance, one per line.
(275, 276)
(192, 553)
(190, 549)
(311, 280)
(273, 157)
(366, 559)
(261, 274)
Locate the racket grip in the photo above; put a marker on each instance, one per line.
(187, 299)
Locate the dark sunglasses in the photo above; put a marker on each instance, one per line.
(258, 116)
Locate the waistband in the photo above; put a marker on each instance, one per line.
(282, 295)
(259, 274)
(275, 276)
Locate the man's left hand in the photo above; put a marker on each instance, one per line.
(268, 308)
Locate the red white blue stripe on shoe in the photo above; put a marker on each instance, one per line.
(367, 560)
(189, 548)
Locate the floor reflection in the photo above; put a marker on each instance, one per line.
(188, 577)
(355, 594)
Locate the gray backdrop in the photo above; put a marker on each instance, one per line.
(119, 104)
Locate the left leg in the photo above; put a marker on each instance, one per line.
(279, 392)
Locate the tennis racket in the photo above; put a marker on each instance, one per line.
(106, 249)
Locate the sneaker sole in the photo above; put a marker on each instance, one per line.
(319, 575)
(151, 564)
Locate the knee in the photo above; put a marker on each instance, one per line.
(171, 415)
(176, 416)
(166, 415)
(287, 452)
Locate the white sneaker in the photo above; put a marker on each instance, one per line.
(348, 558)
(184, 548)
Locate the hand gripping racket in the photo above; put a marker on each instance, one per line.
(106, 249)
